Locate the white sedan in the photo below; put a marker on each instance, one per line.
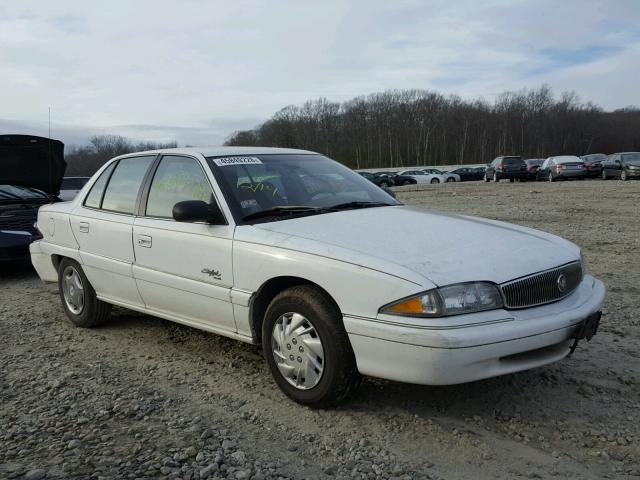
(443, 176)
(329, 273)
(422, 177)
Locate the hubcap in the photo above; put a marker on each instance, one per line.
(297, 350)
(73, 290)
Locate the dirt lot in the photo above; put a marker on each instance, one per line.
(143, 397)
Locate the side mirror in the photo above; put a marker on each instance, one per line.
(389, 191)
(197, 211)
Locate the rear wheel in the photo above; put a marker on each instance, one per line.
(307, 348)
(486, 179)
(385, 184)
(511, 180)
(496, 178)
(623, 175)
(79, 299)
(406, 182)
(451, 179)
(551, 177)
(604, 175)
(435, 180)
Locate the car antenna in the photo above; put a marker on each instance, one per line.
(50, 160)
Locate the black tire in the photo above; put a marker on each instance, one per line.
(406, 182)
(434, 180)
(94, 312)
(511, 180)
(340, 376)
(486, 179)
(385, 184)
(551, 177)
(451, 179)
(604, 175)
(496, 178)
(623, 175)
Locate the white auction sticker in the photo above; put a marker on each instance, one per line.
(226, 161)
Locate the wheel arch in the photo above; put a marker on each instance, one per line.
(267, 292)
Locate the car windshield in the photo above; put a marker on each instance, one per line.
(633, 158)
(274, 187)
(10, 193)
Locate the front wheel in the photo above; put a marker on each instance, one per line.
(451, 179)
(496, 178)
(604, 175)
(486, 179)
(434, 180)
(79, 299)
(307, 348)
(623, 175)
(385, 184)
(551, 177)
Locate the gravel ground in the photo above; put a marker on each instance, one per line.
(145, 398)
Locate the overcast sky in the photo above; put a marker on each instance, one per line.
(195, 71)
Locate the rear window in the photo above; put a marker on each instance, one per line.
(97, 189)
(511, 160)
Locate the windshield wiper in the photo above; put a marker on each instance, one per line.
(349, 205)
(284, 210)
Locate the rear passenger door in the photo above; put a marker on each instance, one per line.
(103, 225)
(183, 270)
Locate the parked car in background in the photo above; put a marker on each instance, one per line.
(31, 169)
(623, 165)
(398, 180)
(379, 180)
(562, 167)
(533, 165)
(443, 176)
(292, 251)
(593, 164)
(422, 177)
(469, 174)
(510, 167)
(71, 186)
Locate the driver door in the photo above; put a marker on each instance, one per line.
(182, 269)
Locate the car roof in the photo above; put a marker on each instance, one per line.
(221, 151)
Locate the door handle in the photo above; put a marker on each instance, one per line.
(144, 241)
(84, 227)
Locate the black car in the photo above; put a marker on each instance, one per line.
(469, 174)
(511, 167)
(398, 180)
(31, 171)
(623, 165)
(380, 180)
(593, 164)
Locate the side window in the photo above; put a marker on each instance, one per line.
(95, 194)
(177, 179)
(124, 184)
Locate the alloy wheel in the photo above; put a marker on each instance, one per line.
(73, 290)
(297, 350)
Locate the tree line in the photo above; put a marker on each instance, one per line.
(417, 127)
(85, 160)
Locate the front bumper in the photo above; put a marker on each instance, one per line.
(474, 346)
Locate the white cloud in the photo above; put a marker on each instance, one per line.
(212, 67)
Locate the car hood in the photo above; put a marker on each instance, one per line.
(443, 248)
(30, 161)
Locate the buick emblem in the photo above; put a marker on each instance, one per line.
(562, 283)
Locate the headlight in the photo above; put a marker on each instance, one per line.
(451, 300)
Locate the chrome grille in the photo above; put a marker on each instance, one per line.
(541, 288)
